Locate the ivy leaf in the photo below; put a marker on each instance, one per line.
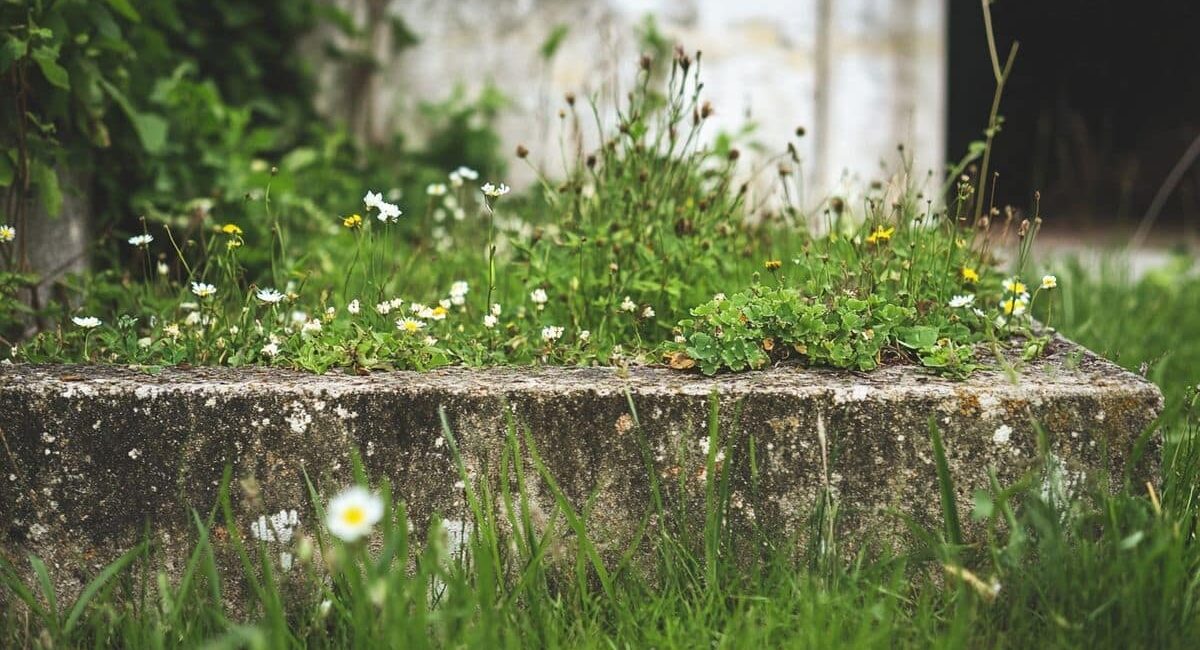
(47, 60)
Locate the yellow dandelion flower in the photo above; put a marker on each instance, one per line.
(773, 265)
(969, 274)
(353, 221)
(880, 234)
(231, 229)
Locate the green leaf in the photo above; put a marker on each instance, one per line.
(46, 181)
(125, 9)
(11, 49)
(47, 60)
(921, 337)
(151, 128)
(89, 592)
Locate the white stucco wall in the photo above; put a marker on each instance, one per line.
(860, 75)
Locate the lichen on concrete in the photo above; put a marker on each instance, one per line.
(93, 454)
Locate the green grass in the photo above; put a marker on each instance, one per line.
(1109, 570)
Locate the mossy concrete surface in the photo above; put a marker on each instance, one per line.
(95, 456)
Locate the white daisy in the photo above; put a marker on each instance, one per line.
(353, 513)
(964, 300)
(7, 233)
(410, 325)
(269, 295)
(203, 290)
(141, 240)
(86, 322)
(1049, 282)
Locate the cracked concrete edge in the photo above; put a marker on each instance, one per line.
(93, 453)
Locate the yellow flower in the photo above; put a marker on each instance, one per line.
(969, 274)
(1013, 306)
(880, 234)
(1013, 285)
(773, 265)
(231, 229)
(1049, 282)
(353, 221)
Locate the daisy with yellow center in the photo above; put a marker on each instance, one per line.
(409, 325)
(353, 221)
(970, 275)
(353, 513)
(1049, 282)
(880, 234)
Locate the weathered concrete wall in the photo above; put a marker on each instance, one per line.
(92, 454)
(861, 75)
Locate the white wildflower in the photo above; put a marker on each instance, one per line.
(269, 295)
(203, 290)
(354, 307)
(495, 309)
(551, 333)
(163, 269)
(584, 335)
(628, 305)
(409, 325)
(87, 322)
(270, 350)
(964, 300)
(436, 189)
(539, 297)
(720, 297)
(141, 240)
(1049, 281)
(7, 233)
(648, 312)
(311, 327)
(352, 513)
(458, 292)
(490, 321)
(495, 191)
(383, 308)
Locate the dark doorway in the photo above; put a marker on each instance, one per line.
(1103, 102)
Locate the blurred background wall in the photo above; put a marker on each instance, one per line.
(860, 76)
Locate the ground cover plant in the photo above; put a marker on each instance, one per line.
(649, 249)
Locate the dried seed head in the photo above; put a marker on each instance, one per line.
(590, 161)
(800, 132)
(570, 97)
(1023, 229)
(785, 169)
(837, 204)
(522, 152)
(645, 62)
(706, 110)
(734, 154)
